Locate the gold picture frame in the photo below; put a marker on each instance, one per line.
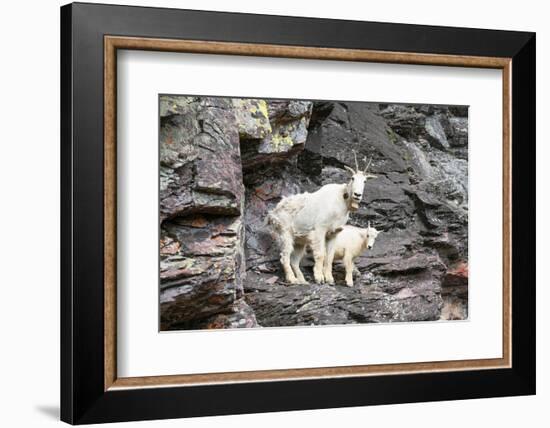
(114, 43)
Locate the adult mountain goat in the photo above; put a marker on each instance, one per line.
(347, 245)
(305, 220)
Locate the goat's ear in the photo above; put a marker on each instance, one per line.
(350, 170)
(371, 176)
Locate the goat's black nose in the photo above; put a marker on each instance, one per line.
(357, 195)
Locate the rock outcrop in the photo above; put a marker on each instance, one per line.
(226, 162)
(201, 207)
(200, 165)
(202, 243)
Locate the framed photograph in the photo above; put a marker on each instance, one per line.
(266, 213)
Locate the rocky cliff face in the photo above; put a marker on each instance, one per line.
(226, 162)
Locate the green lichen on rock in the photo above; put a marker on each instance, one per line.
(281, 143)
(392, 135)
(287, 134)
(252, 118)
(171, 105)
(262, 106)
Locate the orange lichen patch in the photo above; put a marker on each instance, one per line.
(214, 247)
(216, 323)
(178, 273)
(184, 268)
(197, 221)
(168, 246)
(218, 228)
(261, 193)
(267, 191)
(460, 270)
(217, 299)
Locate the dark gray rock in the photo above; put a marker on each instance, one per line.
(404, 120)
(436, 133)
(458, 131)
(419, 201)
(459, 111)
(276, 304)
(238, 315)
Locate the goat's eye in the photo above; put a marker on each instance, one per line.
(352, 178)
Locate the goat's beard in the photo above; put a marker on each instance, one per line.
(352, 204)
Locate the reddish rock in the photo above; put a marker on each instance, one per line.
(201, 273)
(168, 246)
(456, 276)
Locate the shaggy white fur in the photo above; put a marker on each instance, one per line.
(347, 245)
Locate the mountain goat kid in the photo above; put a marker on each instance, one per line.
(305, 219)
(347, 245)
